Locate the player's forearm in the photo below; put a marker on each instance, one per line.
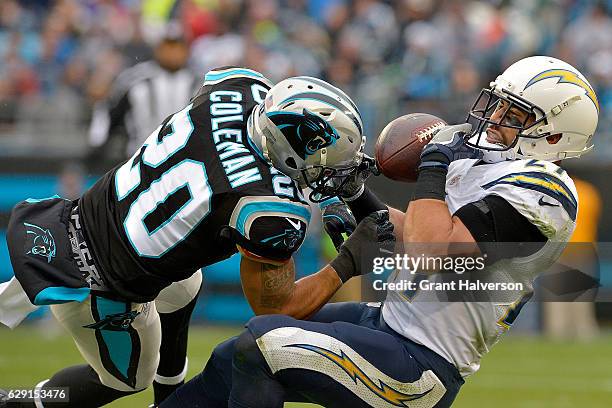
(426, 221)
(267, 286)
(430, 229)
(397, 218)
(311, 293)
(271, 289)
(428, 218)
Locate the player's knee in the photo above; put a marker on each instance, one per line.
(145, 382)
(179, 294)
(259, 325)
(246, 349)
(146, 375)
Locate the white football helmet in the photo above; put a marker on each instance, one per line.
(310, 131)
(555, 94)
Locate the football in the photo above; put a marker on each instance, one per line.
(399, 145)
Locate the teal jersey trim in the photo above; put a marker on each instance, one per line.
(59, 294)
(245, 72)
(38, 200)
(264, 207)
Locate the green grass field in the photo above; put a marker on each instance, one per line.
(519, 372)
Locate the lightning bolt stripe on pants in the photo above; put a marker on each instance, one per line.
(292, 347)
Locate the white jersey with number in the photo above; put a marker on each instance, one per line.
(462, 332)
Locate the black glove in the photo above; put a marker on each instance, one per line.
(373, 236)
(337, 219)
(448, 145)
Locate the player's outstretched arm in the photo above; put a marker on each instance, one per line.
(428, 218)
(430, 221)
(270, 287)
(397, 218)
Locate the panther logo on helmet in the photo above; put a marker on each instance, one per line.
(307, 132)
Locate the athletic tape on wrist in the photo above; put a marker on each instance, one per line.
(432, 164)
(431, 183)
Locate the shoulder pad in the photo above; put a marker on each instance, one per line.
(541, 191)
(269, 227)
(219, 75)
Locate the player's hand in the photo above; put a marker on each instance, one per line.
(372, 237)
(355, 184)
(337, 219)
(448, 145)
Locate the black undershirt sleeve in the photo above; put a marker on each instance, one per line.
(492, 220)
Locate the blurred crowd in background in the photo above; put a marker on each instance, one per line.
(59, 57)
(60, 60)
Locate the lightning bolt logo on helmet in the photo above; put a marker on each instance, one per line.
(555, 100)
(567, 77)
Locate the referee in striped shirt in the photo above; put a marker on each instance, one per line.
(143, 96)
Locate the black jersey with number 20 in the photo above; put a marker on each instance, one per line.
(195, 191)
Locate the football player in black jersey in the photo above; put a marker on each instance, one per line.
(225, 174)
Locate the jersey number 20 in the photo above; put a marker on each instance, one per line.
(189, 174)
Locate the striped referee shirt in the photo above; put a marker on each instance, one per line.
(142, 97)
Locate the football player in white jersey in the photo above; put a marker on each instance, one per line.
(493, 180)
(499, 183)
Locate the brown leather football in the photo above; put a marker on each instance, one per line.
(399, 146)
